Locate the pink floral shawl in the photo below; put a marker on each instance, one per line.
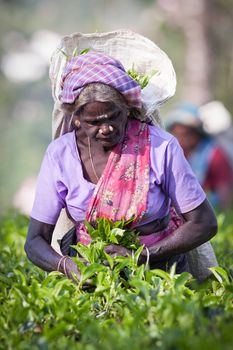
(122, 190)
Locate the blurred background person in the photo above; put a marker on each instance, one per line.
(217, 121)
(207, 158)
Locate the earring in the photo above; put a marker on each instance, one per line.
(77, 123)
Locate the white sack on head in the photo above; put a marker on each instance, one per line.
(133, 51)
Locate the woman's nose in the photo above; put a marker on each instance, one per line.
(106, 129)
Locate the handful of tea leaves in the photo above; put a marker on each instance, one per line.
(111, 232)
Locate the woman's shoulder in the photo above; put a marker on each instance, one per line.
(64, 143)
(160, 136)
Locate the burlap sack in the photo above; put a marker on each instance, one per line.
(140, 53)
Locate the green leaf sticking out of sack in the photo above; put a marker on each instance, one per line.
(74, 53)
(140, 78)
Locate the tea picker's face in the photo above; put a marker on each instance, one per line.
(104, 122)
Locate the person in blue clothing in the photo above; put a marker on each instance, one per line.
(207, 159)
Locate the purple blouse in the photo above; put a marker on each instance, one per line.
(61, 183)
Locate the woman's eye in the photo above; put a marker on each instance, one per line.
(93, 123)
(115, 116)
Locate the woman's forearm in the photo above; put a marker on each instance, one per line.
(200, 226)
(38, 245)
(183, 239)
(45, 257)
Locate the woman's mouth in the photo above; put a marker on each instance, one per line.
(110, 140)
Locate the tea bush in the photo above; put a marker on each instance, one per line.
(131, 307)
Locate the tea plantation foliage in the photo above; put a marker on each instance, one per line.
(130, 307)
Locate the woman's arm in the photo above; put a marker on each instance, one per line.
(39, 251)
(200, 226)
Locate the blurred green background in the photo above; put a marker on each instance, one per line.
(196, 35)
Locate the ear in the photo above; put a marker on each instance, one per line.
(76, 122)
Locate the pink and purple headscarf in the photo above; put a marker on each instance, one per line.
(96, 67)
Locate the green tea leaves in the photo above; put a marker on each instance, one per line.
(116, 304)
(113, 233)
(140, 78)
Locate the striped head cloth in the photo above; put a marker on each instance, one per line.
(96, 67)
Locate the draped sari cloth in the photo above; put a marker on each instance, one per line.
(121, 192)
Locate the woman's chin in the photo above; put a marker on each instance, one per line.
(109, 142)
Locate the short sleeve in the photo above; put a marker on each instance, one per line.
(49, 196)
(180, 183)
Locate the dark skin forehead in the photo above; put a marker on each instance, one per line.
(95, 109)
